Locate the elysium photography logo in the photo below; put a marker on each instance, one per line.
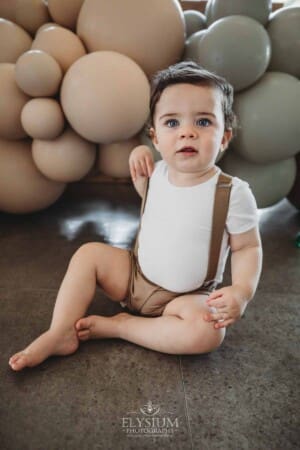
(149, 420)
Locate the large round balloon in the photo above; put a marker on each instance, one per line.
(60, 43)
(66, 158)
(270, 183)
(31, 14)
(150, 32)
(42, 118)
(257, 9)
(65, 12)
(194, 21)
(192, 46)
(113, 158)
(38, 74)
(284, 32)
(105, 97)
(13, 41)
(12, 100)
(269, 113)
(23, 189)
(241, 62)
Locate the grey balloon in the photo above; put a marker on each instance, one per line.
(192, 47)
(257, 9)
(194, 21)
(270, 183)
(268, 115)
(237, 48)
(284, 31)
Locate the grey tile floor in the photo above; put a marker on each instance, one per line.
(243, 396)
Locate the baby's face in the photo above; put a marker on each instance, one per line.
(189, 127)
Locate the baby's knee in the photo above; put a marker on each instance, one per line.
(84, 253)
(207, 338)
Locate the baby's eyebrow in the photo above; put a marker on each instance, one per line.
(200, 113)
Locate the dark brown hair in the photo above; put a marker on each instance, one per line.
(192, 73)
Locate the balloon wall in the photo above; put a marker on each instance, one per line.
(74, 89)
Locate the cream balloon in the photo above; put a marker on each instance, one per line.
(13, 41)
(31, 14)
(60, 43)
(66, 158)
(42, 118)
(105, 97)
(65, 12)
(23, 189)
(113, 158)
(149, 32)
(38, 74)
(12, 100)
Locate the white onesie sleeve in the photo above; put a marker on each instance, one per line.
(242, 213)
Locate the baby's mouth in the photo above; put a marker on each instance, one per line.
(187, 150)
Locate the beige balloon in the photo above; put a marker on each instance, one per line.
(38, 74)
(23, 189)
(113, 158)
(66, 158)
(12, 100)
(8, 9)
(31, 14)
(60, 43)
(65, 12)
(150, 32)
(13, 41)
(105, 97)
(42, 118)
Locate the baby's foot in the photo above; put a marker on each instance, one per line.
(96, 327)
(47, 344)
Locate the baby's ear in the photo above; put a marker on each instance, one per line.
(153, 137)
(227, 136)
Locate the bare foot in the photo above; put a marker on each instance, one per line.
(47, 344)
(96, 327)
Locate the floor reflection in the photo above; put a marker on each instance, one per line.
(113, 225)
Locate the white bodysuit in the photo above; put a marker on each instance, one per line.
(174, 238)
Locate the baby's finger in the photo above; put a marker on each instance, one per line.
(217, 303)
(142, 167)
(149, 163)
(224, 323)
(132, 172)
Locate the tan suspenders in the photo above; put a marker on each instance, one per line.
(220, 210)
(221, 204)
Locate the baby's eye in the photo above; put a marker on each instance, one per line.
(203, 122)
(171, 123)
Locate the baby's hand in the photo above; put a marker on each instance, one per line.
(141, 162)
(230, 305)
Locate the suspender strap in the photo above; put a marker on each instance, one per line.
(221, 204)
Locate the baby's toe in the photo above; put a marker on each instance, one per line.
(83, 335)
(19, 361)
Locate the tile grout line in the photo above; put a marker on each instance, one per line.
(185, 404)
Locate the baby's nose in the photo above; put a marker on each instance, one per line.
(188, 131)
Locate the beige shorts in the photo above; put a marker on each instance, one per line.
(149, 299)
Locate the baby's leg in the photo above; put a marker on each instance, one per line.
(93, 263)
(180, 330)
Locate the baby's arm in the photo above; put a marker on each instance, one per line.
(246, 262)
(141, 166)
